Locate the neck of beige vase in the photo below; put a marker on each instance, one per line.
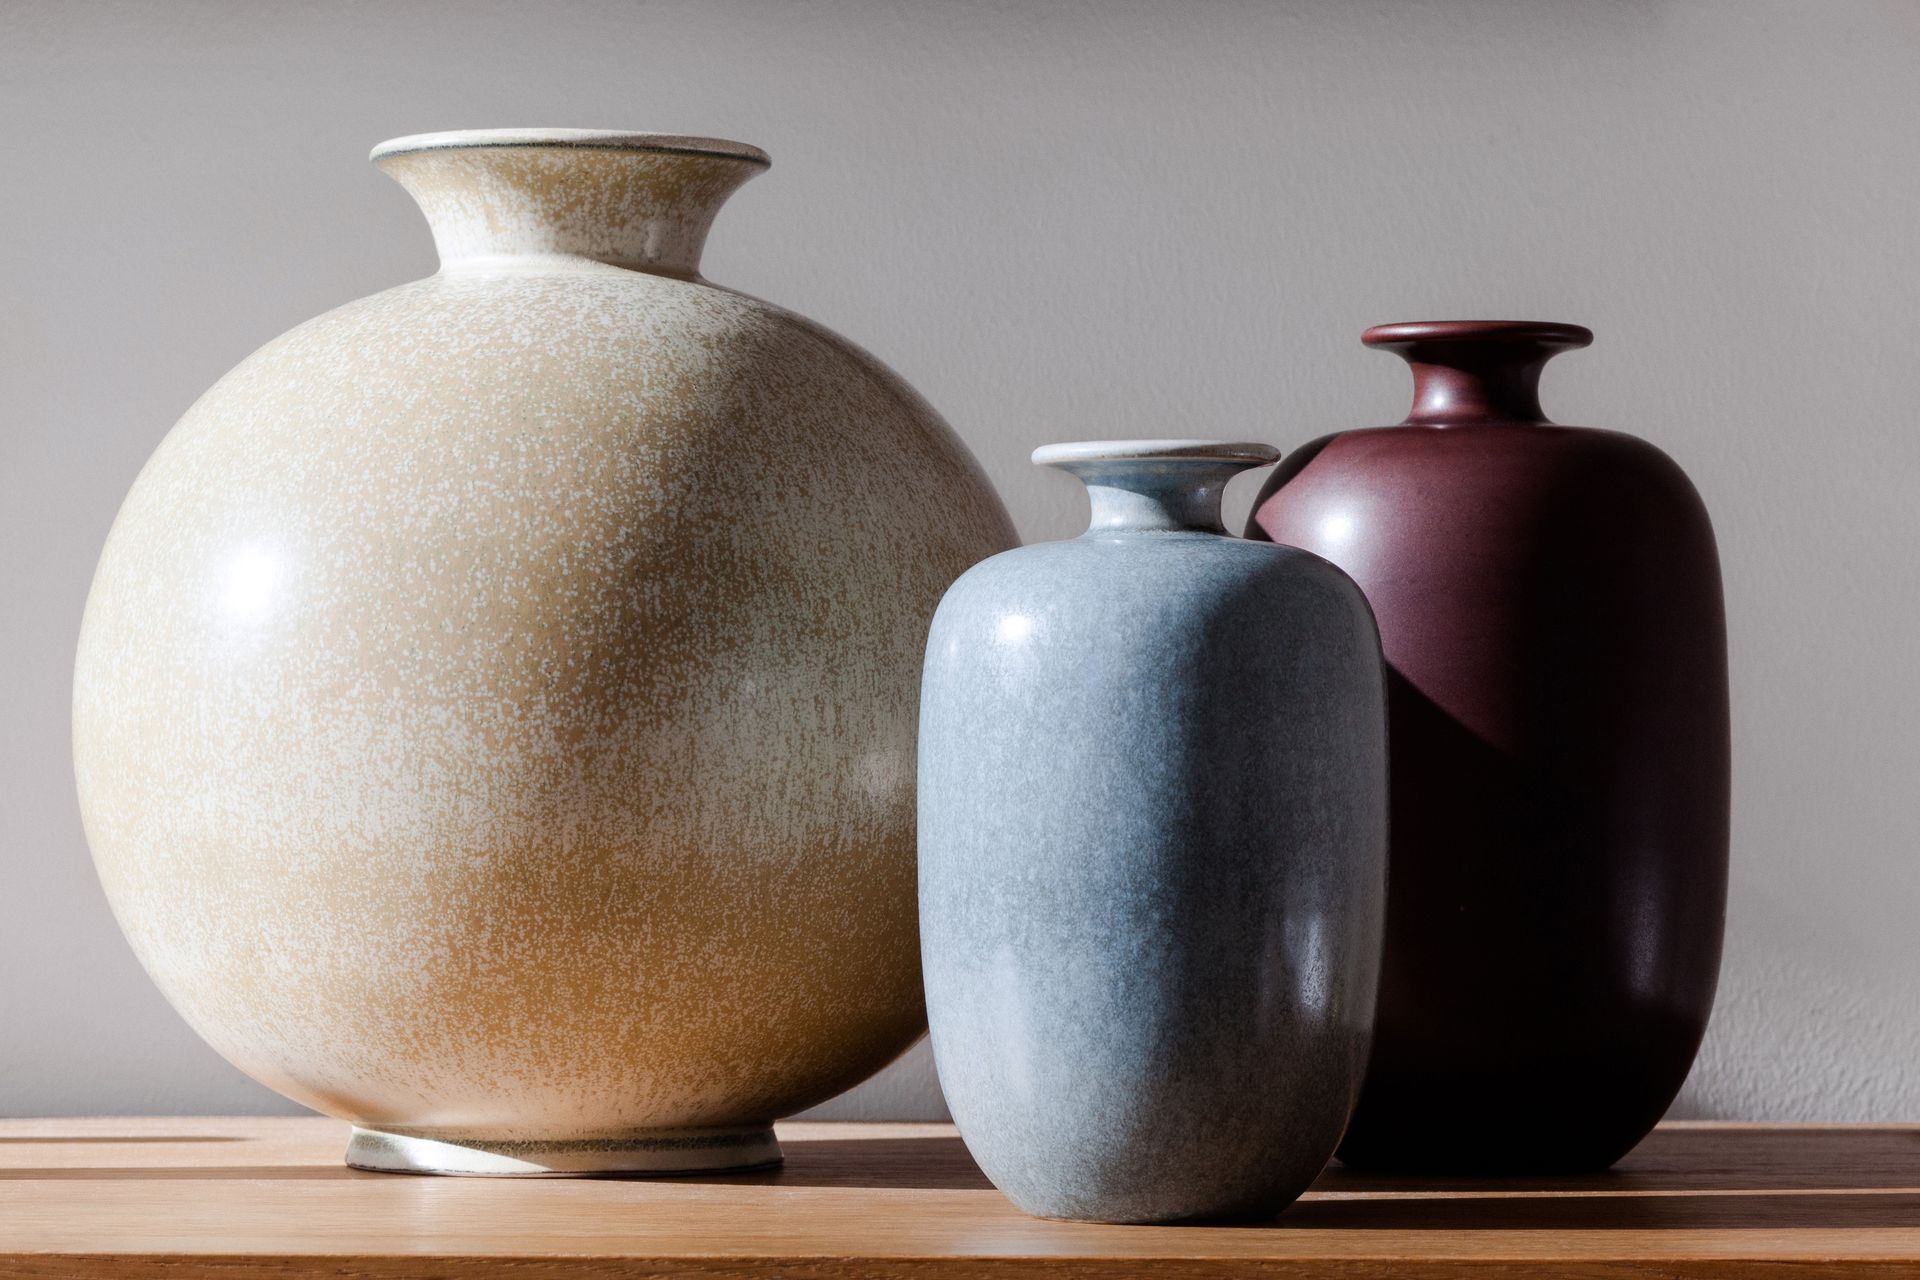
(501, 207)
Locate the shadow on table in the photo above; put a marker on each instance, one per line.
(931, 1163)
(1626, 1211)
(935, 1162)
(1801, 1158)
(63, 1139)
(189, 1173)
(1838, 1177)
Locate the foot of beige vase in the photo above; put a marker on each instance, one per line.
(665, 1153)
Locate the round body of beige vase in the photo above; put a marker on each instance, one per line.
(495, 710)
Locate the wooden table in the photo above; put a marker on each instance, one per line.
(245, 1198)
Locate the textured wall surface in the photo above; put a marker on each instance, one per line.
(1059, 221)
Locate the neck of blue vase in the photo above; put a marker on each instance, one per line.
(1141, 497)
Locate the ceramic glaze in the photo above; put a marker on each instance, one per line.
(1549, 600)
(494, 714)
(1152, 851)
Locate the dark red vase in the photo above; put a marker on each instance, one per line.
(1549, 602)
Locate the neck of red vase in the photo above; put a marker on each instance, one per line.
(1477, 372)
(1466, 394)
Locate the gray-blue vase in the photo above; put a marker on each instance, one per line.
(1152, 851)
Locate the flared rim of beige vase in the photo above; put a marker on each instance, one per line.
(603, 139)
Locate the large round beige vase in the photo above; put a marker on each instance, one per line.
(495, 709)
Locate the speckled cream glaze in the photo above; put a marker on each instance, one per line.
(495, 709)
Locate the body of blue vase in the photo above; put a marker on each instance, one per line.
(1152, 851)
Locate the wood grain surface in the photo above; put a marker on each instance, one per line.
(247, 1198)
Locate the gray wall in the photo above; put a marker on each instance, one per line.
(1059, 221)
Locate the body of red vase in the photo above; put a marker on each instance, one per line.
(1550, 607)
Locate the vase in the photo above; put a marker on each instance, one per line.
(1549, 601)
(1152, 844)
(494, 713)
